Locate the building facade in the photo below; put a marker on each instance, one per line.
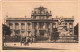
(41, 23)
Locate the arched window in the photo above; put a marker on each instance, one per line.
(29, 26)
(70, 25)
(54, 25)
(22, 26)
(11, 25)
(16, 26)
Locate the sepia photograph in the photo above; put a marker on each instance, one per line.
(40, 26)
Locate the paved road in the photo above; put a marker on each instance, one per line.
(42, 46)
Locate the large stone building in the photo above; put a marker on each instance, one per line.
(41, 23)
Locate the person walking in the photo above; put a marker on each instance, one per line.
(27, 41)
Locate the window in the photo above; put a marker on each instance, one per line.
(65, 27)
(42, 32)
(29, 33)
(17, 31)
(54, 25)
(35, 25)
(11, 25)
(34, 17)
(47, 25)
(70, 25)
(41, 25)
(47, 17)
(29, 26)
(65, 23)
(22, 26)
(16, 26)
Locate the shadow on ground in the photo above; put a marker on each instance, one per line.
(29, 48)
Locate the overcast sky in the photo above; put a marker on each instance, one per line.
(20, 9)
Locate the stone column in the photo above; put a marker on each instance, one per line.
(46, 34)
(14, 28)
(50, 31)
(73, 28)
(44, 26)
(31, 29)
(50, 27)
(56, 24)
(37, 25)
(68, 26)
(25, 29)
(20, 27)
(13, 25)
(37, 28)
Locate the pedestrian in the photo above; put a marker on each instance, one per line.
(23, 39)
(28, 41)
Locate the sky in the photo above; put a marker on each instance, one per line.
(20, 9)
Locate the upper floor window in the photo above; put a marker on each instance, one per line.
(71, 25)
(65, 23)
(29, 25)
(48, 25)
(22, 26)
(16, 26)
(35, 25)
(11, 25)
(34, 17)
(65, 27)
(41, 25)
(54, 25)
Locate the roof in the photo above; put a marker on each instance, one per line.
(37, 19)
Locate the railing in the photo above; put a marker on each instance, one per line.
(68, 39)
(65, 39)
(41, 14)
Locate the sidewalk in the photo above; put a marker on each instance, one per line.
(69, 46)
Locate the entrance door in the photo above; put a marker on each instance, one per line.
(42, 36)
(42, 32)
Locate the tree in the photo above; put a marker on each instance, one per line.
(76, 31)
(5, 31)
(54, 34)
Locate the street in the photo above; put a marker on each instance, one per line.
(41, 46)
